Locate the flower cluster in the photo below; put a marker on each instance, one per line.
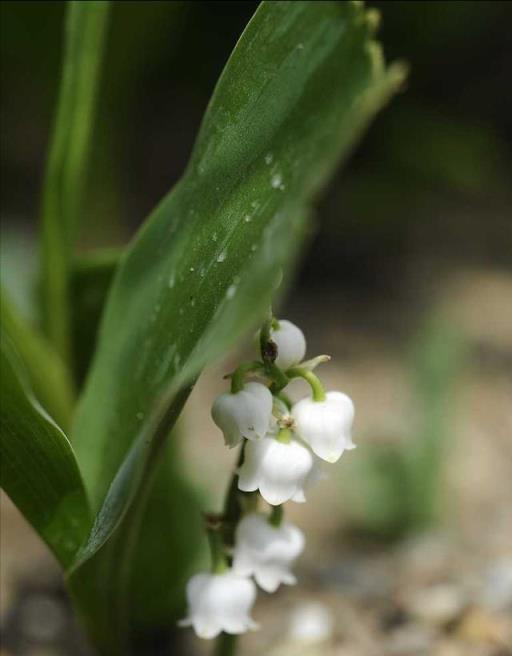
(282, 449)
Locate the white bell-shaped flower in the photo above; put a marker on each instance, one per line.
(244, 414)
(219, 602)
(290, 342)
(279, 470)
(326, 425)
(266, 551)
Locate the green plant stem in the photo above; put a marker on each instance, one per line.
(265, 335)
(285, 399)
(232, 507)
(270, 323)
(219, 563)
(64, 184)
(284, 436)
(238, 377)
(276, 516)
(279, 378)
(317, 388)
(226, 645)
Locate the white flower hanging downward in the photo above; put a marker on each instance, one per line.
(246, 413)
(220, 602)
(266, 551)
(326, 425)
(290, 342)
(279, 470)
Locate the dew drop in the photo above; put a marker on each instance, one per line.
(231, 291)
(214, 236)
(191, 269)
(254, 248)
(221, 257)
(247, 218)
(268, 158)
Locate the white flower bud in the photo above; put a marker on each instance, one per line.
(280, 471)
(244, 414)
(219, 602)
(266, 551)
(290, 342)
(325, 425)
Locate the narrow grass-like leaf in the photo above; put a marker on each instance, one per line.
(67, 163)
(39, 471)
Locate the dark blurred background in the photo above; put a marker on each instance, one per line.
(407, 282)
(429, 184)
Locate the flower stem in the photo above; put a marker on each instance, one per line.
(285, 399)
(238, 377)
(284, 436)
(276, 516)
(268, 349)
(265, 337)
(219, 563)
(232, 506)
(317, 388)
(226, 645)
(278, 377)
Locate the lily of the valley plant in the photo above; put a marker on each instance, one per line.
(282, 447)
(91, 391)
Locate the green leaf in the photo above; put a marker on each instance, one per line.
(91, 278)
(171, 534)
(303, 81)
(67, 163)
(301, 85)
(39, 471)
(49, 379)
(133, 585)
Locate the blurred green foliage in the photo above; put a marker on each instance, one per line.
(398, 484)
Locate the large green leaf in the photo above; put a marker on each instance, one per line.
(49, 378)
(132, 587)
(302, 83)
(39, 471)
(91, 277)
(67, 163)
